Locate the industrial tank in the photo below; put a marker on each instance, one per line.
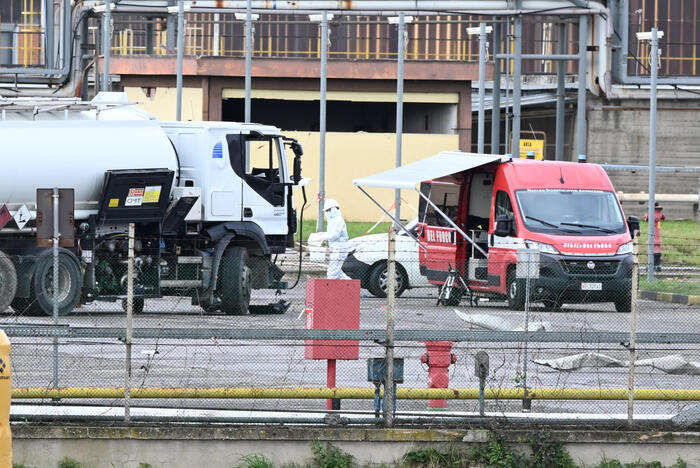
(75, 154)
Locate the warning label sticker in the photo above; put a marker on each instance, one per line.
(136, 192)
(133, 201)
(113, 202)
(152, 194)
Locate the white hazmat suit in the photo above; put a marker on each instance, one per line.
(336, 235)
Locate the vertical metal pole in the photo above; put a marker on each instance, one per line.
(506, 115)
(399, 106)
(561, 95)
(496, 97)
(322, 122)
(216, 46)
(526, 404)
(517, 84)
(106, 43)
(180, 56)
(49, 23)
(170, 33)
(248, 59)
(149, 36)
(652, 150)
(390, 316)
(633, 328)
(482, 79)
(56, 273)
(129, 323)
(581, 127)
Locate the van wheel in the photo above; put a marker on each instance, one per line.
(137, 305)
(624, 303)
(8, 281)
(516, 292)
(70, 283)
(234, 282)
(379, 280)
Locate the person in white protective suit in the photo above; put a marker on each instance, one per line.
(336, 235)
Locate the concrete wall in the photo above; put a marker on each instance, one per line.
(224, 446)
(162, 102)
(622, 137)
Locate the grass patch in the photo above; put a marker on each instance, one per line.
(69, 463)
(329, 456)
(355, 228)
(680, 239)
(255, 461)
(689, 286)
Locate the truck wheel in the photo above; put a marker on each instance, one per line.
(379, 280)
(70, 283)
(624, 303)
(8, 281)
(516, 292)
(234, 282)
(138, 304)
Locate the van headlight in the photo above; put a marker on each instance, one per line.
(542, 247)
(624, 249)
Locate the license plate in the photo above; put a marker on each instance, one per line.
(591, 286)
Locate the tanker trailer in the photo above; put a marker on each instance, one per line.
(208, 214)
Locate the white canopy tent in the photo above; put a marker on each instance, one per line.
(409, 176)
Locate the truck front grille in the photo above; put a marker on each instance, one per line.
(590, 267)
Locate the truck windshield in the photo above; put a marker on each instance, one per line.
(557, 211)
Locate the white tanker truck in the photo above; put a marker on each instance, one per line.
(211, 203)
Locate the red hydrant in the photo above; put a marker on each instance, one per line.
(438, 358)
(658, 217)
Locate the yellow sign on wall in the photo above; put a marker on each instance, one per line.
(537, 146)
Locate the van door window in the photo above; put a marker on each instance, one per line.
(503, 205)
(445, 195)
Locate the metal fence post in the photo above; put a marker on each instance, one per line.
(517, 83)
(633, 328)
(482, 91)
(248, 60)
(652, 151)
(526, 401)
(401, 52)
(322, 122)
(106, 43)
(496, 96)
(390, 316)
(129, 324)
(56, 235)
(180, 56)
(561, 96)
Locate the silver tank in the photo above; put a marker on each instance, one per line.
(75, 154)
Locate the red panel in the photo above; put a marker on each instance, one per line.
(332, 304)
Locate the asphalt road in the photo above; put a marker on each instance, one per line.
(212, 363)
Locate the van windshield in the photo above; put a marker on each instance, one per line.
(583, 212)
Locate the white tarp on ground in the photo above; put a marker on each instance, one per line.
(492, 322)
(442, 164)
(672, 364)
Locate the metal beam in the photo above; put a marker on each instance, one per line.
(555, 57)
(496, 96)
(561, 96)
(581, 124)
(180, 56)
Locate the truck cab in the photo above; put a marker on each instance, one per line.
(482, 209)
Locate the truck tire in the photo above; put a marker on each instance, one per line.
(515, 292)
(8, 281)
(378, 280)
(70, 283)
(234, 282)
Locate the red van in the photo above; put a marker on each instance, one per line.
(477, 211)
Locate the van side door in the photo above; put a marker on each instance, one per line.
(501, 249)
(438, 237)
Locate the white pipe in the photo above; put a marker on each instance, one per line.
(660, 197)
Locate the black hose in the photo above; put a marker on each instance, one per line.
(301, 238)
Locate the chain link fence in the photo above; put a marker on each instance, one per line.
(564, 351)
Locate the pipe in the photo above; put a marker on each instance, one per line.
(561, 96)
(660, 197)
(106, 44)
(581, 127)
(556, 57)
(320, 393)
(180, 57)
(248, 61)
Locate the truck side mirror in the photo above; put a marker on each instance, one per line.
(298, 152)
(633, 224)
(504, 225)
(296, 174)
